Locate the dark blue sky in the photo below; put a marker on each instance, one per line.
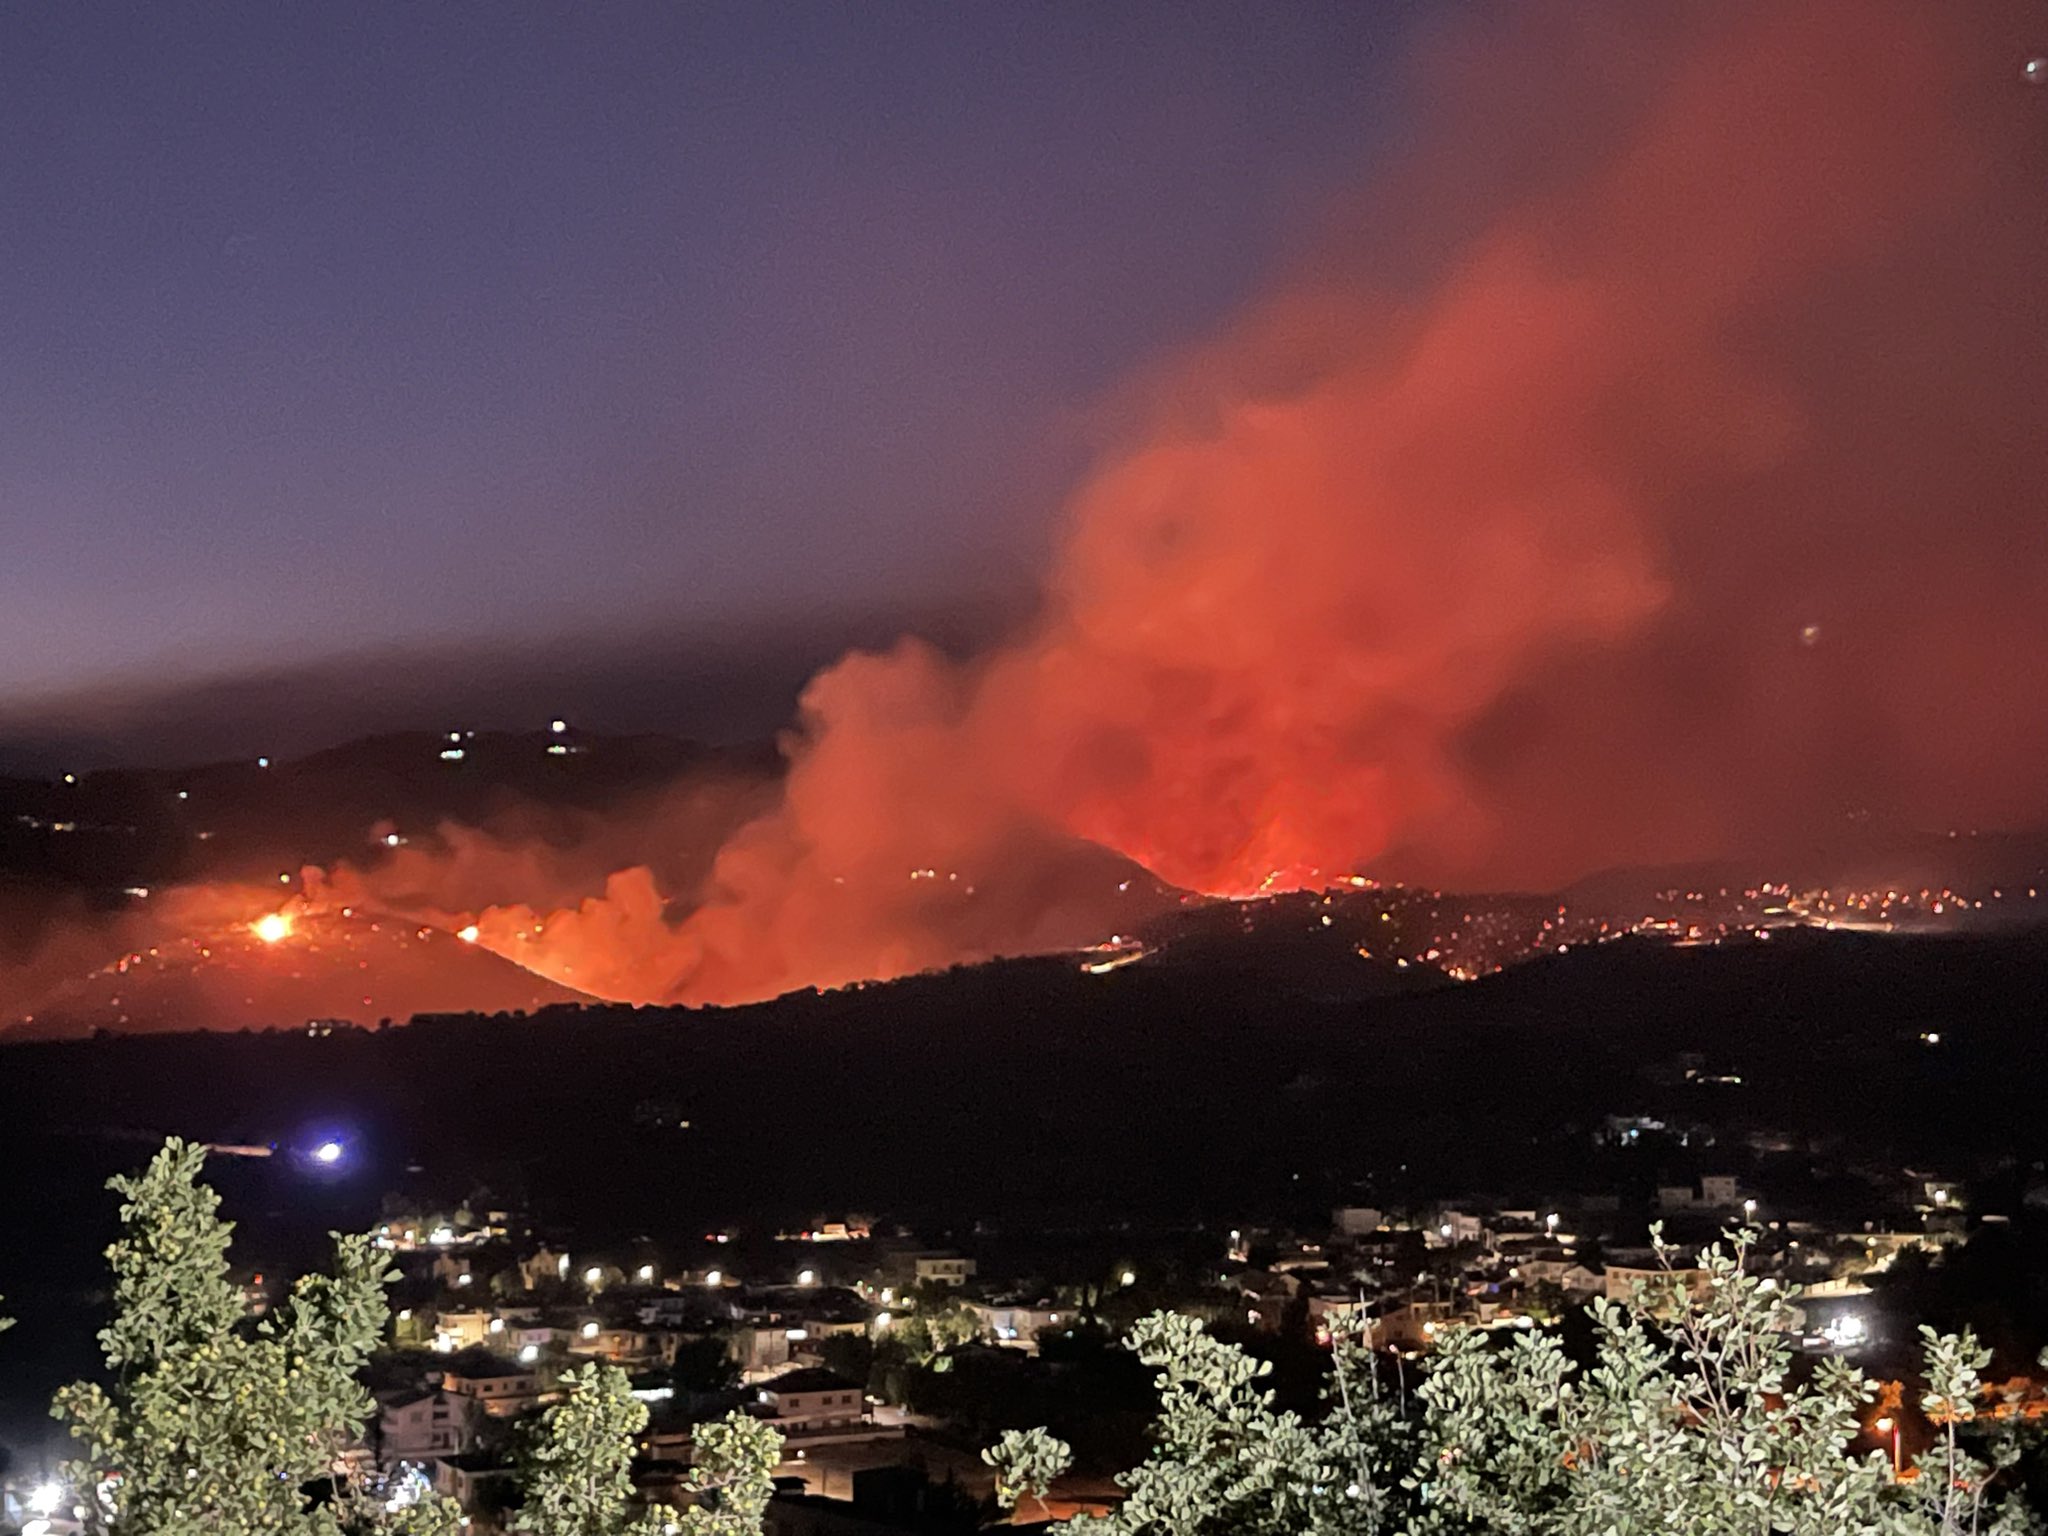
(326, 328)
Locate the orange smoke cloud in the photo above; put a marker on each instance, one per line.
(1651, 475)
(1291, 628)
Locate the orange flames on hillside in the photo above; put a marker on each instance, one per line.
(1430, 563)
(1374, 517)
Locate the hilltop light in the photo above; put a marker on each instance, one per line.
(272, 928)
(328, 1152)
(558, 726)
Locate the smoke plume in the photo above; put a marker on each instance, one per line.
(1647, 470)
(1646, 477)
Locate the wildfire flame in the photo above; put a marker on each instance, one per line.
(1444, 565)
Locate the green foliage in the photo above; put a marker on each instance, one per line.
(1225, 1461)
(941, 1323)
(1693, 1427)
(1027, 1462)
(1690, 1420)
(214, 1425)
(851, 1355)
(732, 1476)
(705, 1365)
(579, 1461)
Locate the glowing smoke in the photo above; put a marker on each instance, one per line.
(1650, 475)
(1420, 574)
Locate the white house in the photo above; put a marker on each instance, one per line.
(422, 1426)
(812, 1401)
(942, 1269)
(1016, 1324)
(498, 1387)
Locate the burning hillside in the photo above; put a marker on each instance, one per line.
(1461, 557)
(294, 963)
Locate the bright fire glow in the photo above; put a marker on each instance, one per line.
(272, 927)
(468, 935)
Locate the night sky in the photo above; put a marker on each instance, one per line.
(723, 331)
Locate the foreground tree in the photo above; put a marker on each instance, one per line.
(579, 1459)
(217, 1425)
(214, 1424)
(579, 1463)
(1689, 1421)
(1027, 1463)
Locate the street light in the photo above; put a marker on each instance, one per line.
(1749, 1210)
(1890, 1426)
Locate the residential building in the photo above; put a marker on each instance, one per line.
(422, 1426)
(813, 1400)
(500, 1388)
(942, 1269)
(472, 1478)
(1017, 1323)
